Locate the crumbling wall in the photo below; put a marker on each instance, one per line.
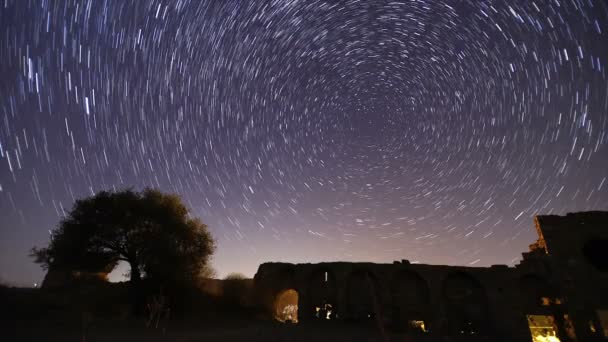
(397, 294)
(576, 266)
(556, 278)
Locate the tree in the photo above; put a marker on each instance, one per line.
(151, 231)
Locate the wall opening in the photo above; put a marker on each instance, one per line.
(417, 326)
(410, 301)
(542, 328)
(363, 296)
(465, 304)
(286, 306)
(322, 295)
(325, 312)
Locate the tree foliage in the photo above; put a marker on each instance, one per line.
(151, 231)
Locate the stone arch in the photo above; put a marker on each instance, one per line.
(322, 294)
(465, 305)
(363, 295)
(285, 277)
(285, 306)
(273, 284)
(410, 298)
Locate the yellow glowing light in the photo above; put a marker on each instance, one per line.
(327, 310)
(542, 328)
(418, 325)
(286, 306)
(548, 338)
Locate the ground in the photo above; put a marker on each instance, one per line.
(194, 331)
(102, 315)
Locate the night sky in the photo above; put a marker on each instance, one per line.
(308, 130)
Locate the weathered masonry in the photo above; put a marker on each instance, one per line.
(559, 291)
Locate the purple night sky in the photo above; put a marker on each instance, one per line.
(305, 131)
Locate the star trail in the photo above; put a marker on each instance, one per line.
(306, 131)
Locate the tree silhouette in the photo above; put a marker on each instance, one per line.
(151, 231)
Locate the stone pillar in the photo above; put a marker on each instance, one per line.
(303, 305)
(342, 295)
(438, 322)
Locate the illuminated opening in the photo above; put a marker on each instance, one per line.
(592, 327)
(324, 312)
(542, 328)
(417, 325)
(286, 306)
(322, 295)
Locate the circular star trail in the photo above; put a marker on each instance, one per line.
(308, 131)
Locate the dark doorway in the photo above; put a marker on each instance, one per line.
(465, 305)
(322, 294)
(410, 301)
(363, 296)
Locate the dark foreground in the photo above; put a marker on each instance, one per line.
(103, 315)
(238, 330)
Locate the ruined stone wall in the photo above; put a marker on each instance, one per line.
(555, 278)
(447, 298)
(577, 265)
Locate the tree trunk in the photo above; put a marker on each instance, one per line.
(135, 272)
(137, 291)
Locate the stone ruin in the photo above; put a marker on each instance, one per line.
(558, 292)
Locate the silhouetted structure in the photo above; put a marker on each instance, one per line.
(559, 291)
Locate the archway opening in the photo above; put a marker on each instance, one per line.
(363, 296)
(542, 328)
(322, 292)
(286, 306)
(410, 302)
(465, 304)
